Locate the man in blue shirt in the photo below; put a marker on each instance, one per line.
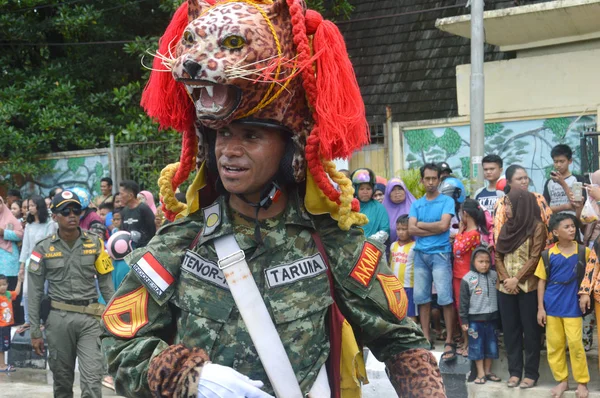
(429, 222)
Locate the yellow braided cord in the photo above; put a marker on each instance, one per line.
(166, 189)
(265, 99)
(347, 217)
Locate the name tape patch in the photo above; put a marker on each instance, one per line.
(365, 267)
(289, 273)
(153, 273)
(206, 270)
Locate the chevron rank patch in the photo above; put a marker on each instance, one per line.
(365, 267)
(395, 295)
(127, 314)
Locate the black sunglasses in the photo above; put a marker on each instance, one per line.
(67, 210)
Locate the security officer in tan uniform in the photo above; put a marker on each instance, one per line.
(70, 261)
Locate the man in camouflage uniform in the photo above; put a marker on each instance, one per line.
(173, 327)
(70, 261)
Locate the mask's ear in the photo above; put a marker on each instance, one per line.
(195, 8)
(275, 9)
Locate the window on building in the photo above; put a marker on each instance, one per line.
(377, 134)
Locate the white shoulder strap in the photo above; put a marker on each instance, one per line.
(253, 310)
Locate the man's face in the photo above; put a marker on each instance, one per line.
(118, 202)
(67, 219)
(117, 220)
(248, 158)
(491, 171)
(10, 199)
(565, 230)
(430, 180)
(125, 196)
(102, 213)
(561, 164)
(105, 188)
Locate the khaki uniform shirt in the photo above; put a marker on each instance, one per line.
(70, 272)
(176, 294)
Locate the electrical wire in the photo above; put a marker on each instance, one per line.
(400, 14)
(139, 1)
(40, 7)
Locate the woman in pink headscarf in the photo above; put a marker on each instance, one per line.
(11, 232)
(147, 198)
(397, 201)
(592, 231)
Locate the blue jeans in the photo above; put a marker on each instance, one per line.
(483, 341)
(433, 268)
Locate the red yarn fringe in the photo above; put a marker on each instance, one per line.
(341, 111)
(163, 98)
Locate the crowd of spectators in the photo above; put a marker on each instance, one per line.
(505, 261)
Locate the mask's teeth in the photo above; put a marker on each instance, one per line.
(209, 90)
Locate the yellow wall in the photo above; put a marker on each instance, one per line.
(554, 83)
(372, 157)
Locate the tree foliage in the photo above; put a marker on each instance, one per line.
(71, 75)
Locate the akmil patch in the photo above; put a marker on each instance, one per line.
(395, 295)
(307, 267)
(366, 265)
(206, 270)
(127, 314)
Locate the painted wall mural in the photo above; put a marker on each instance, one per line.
(82, 170)
(526, 142)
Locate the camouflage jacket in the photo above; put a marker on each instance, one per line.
(176, 294)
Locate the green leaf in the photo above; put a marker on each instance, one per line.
(75, 163)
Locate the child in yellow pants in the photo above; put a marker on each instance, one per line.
(558, 305)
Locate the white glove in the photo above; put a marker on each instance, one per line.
(380, 236)
(218, 381)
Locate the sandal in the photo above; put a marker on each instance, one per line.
(8, 369)
(449, 355)
(480, 380)
(513, 384)
(526, 384)
(492, 377)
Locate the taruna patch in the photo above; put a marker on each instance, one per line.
(366, 265)
(154, 275)
(307, 267)
(206, 270)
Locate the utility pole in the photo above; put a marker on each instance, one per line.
(477, 92)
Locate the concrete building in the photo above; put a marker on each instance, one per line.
(541, 89)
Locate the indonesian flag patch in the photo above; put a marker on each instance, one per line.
(153, 274)
(34, 261)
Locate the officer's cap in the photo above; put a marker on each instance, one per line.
(62, 200)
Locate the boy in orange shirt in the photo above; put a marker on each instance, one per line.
(6, 318)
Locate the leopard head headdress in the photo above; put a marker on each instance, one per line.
(265, 62)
